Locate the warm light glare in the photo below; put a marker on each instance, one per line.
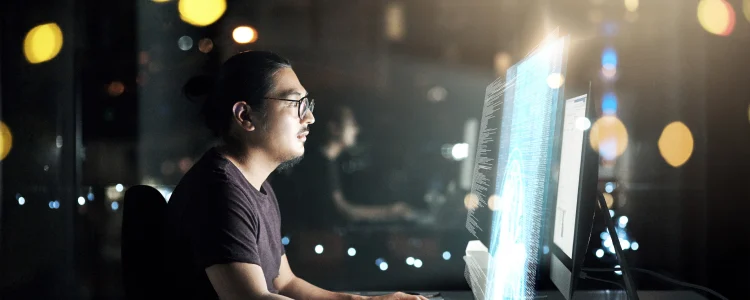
(161, 1)
(716, 16)
(555, 80)
(746, 9)
(205, 45)
(609, 199)
(471, 201)
(503, 60)
(493, 201)
(676, 144)
(394, 21)
(631, 5)
(244, 35)
(609, 136)
(42, 43)
(201, 12)
(116, 88)
(6, 140)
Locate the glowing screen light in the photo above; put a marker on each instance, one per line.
(526, 137)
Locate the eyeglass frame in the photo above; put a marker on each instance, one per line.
(310, 104)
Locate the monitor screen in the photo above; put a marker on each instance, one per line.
(573, 127)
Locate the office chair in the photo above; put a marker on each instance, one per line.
(142, 245)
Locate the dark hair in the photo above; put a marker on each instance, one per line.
(246, 76)
(327, 115)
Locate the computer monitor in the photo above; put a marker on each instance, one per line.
(574, 194)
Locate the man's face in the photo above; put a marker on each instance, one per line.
(283, 133)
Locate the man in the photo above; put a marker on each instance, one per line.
(222, 232)
(319, 180)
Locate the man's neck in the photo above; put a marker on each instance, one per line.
(254, 163)
(332, 150)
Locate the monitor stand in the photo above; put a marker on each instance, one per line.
(627, 276)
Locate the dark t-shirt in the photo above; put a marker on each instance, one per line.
(215, 216)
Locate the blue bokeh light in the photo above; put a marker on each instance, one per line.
(609, 58)
(609, 104)
(285, 241)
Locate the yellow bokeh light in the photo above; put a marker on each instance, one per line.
(42, 43)
(716, 16)
(394, 21)
(201, 12)
(631, 5)
(609, 199)
(555, 80)
(244, 34)
(609, 137)
(492, 202)
(161, 1)
(676, 144)
(471, 201)
(503, 60)
(6, 140)
(746, 9)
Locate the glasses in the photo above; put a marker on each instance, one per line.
(303, 105)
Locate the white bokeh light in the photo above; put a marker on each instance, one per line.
(609, 187)
(599, 253)
(21, 200)
(319, 249)
(634, 246)
(618, 272)
(81, 201)
(410, 260)
(446, 255)
(383, 266)
(352, 252)
(583, 123)
(460, 151)
(119, 187)
(418, 263)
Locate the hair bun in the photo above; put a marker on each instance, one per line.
(199, 87)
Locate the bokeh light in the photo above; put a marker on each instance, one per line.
(161, 1)
(43, 43)
(634, 246)
(631, 5)
(437, 94)
(417, 263)
(285, 241)
(609, 104)
(609, 199)
(746, 9)
(319, 249)
(205, 45)
(410, 260)
(503, 60)
(676, 144)
(609, 58)
(201, 12)
(716, 16)
(115, 205)
(352, 252)
(446, 255)
(383, 266)
(492, 202)
(6, 140)
(115, 88)
(394, 21)
(185, 43)
(471, 201)
(555, 80)
(599, 253)
(609, 137)
(244, 35)
(119, 187)
(81, 201)
(583, 124)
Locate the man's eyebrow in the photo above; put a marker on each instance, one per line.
(290, 92)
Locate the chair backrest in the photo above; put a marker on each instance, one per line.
(142, 245)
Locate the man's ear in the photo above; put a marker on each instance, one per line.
(242, 115)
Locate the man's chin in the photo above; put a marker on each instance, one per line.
(288, 164)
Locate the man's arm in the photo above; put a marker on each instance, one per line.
(359, 212)
(296, 288)
(240, 281)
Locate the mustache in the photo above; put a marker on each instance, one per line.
(304, 130)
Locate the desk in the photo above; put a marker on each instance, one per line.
(580, 295)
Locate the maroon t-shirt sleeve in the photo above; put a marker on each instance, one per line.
(226, 229)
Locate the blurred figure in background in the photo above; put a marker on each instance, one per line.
(317, 178)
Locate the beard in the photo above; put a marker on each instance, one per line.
(289, 163)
